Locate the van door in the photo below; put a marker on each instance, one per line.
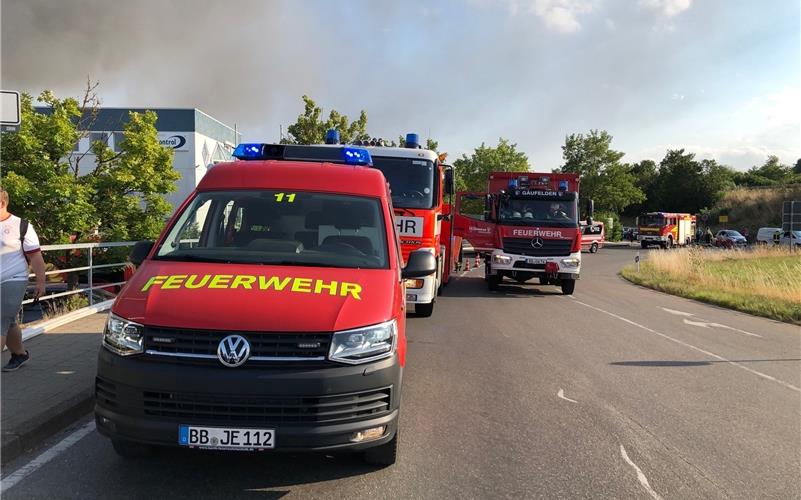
(469, 221)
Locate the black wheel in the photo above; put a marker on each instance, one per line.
(594, 248)
(669, 244)
(424, 310)
(644, 244)
(129, 449)
(383, 455)
(568, 286)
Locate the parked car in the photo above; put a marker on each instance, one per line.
(765, 235)
(791, 238)
(729, 238)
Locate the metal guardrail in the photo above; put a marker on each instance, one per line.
(90, 267)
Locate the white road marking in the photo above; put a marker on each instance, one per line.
(561, 394)
(678, 313)
(707, 324)
(640, 475)
(12, 479)
(685, 344)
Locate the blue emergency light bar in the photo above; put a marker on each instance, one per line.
(332, 136)
(562, 185)
(347, 154)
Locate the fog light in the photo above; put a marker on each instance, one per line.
(367, 435)
(414, 283)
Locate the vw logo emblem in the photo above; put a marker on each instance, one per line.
(233, 350)
(537, 242)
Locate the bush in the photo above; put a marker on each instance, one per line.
(616, 231)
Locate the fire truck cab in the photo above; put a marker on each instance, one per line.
(529, 228)
(665, 229)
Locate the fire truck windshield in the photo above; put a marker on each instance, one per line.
(538, 212)
(411, 181)
(655, 220)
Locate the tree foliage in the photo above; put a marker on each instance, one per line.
(604, 178)
(770, 173)
(310, 127)
(472, 171)
(120, 199)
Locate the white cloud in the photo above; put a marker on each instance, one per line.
(677, 97)
(558, 15)
(668, 8)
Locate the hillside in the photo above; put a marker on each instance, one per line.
(753, 207)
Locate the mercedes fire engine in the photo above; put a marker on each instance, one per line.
(529, 229)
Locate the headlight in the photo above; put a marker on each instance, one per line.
(501, 259)
(363, 345)
(571, 262)
(122, 336)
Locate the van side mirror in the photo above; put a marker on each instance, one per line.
(450, 180)
(421, 263)
(140, 252)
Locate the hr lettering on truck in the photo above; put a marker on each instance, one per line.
(249, 282)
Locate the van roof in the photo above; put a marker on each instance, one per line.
(297, 175)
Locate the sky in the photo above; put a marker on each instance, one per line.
(720, 78)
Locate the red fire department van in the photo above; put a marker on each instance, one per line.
(421, 186)
(529, 228)
(593, 236)
(269, 315)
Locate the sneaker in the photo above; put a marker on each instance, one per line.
(16, 361)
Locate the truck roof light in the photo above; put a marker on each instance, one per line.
(247, 151)
(562, 185)
(412, 141)
(356, 156)
(332, 136)
(512, 183)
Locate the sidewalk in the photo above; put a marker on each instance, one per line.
(53, 389)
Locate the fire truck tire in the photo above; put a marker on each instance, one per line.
(424, 310)
(594, 248)
(669, 242)
(384, 455)
(644, 244)
(493, 281)
(568, 286)
(129, 449)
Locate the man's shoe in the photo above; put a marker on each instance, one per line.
(16, 361)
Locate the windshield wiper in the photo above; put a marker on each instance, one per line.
(194, 258)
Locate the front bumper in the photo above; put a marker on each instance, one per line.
(311, 409)
(423, 295)
(535, 265)
(655, 238)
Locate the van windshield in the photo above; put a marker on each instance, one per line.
(282, 228)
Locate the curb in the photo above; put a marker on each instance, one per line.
(42, 426)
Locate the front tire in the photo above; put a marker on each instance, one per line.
(594, 248)
(568, 286)
(644, 244)
(383, 455)
(424, 310)
(493, 281)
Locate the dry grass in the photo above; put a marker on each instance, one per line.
(764, 281)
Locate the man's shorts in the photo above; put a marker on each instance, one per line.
(11, 295)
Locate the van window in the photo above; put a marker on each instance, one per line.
(282, 228)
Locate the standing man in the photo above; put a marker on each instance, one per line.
(18, 246)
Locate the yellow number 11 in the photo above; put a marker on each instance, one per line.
(290, 197)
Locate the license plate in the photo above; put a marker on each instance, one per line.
(536, 261)
(225, 438)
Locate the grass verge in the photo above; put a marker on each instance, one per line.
(765, 282)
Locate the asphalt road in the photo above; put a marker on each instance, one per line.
(617, 392)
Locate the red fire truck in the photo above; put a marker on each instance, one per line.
(665, 229)
(529, 229)
(421, 186)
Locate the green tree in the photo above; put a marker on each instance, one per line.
(797, 167)
(472, 171)
(120, 199)
(680, 185)
(603, 177)
(310, 128)
(645, 175)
